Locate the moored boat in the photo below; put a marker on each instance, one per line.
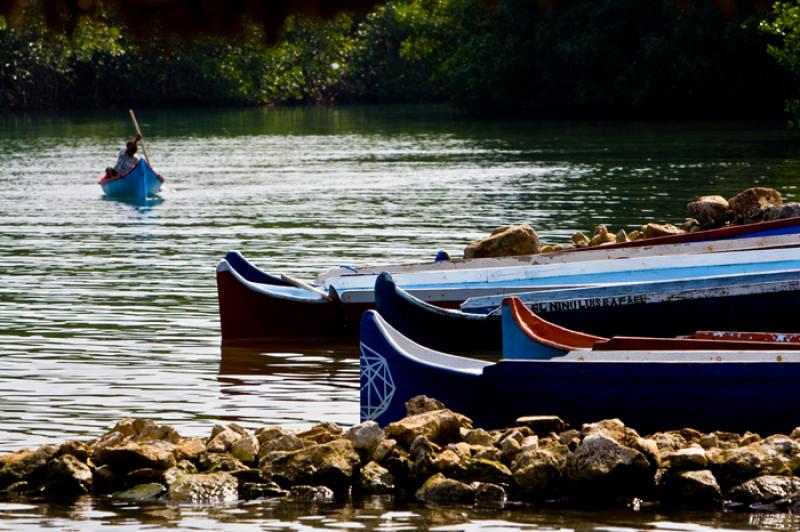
(266, 309)
(140, 183)
(707, 390)
(527, 336)
(765, 302)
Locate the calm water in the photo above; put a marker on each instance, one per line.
(108, 309)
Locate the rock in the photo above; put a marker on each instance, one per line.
(245, 449)
(709, 441)
(312, 494)
(549, 248)
(787, 210)
(269, 433)
(505, 241)
(621, 237)
(748, 438)
(652, 230)
(330, 464)
(741, 464)
(212, 462)
(136, 430)
(601, 236)
(487, 452)
(106, 480)
(543, 425)
(78, 449)
(189, 449)
(604, 466)
(261, 490)
(579, 240)
(67, 476)
(613, 428)
(136, 455)
(697, 488)
(636, 234)
(477, 437)
(142, 476)
(690, 458)
(422, 403)
(441, 490)
(223, 440)
(537, 473)
(765, 489)
(423, 453)
(669, 442)
(26, 465)
(210, 488)
(749, 205)
(446, 461)
(321, 433)
(439, 426)
(375, 479)
(365, 437)
(482, 470)
(141, 492)
(281, 444)
(710, 211)
(384, 448)
(489, 495)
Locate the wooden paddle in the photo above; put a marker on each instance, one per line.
(141, 139)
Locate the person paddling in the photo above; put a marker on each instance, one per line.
(126, 160)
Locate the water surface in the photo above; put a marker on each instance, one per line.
(108, 309)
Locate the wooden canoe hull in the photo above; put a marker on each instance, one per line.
(140, 183)
(731, 391)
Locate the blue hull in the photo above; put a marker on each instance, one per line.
(749, 392)
(140, 183)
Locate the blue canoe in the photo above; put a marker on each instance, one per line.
(140, 183)
(650, 391)
(763, 302)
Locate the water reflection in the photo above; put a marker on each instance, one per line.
(142, 205)
(270, 382)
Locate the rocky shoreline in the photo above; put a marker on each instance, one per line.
(752, 205)
(433, 455)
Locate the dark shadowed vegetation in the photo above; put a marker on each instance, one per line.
(579, 58)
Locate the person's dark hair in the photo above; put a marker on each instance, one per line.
(130, 148)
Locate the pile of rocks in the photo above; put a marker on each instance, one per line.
(434, 455)
(707, 212)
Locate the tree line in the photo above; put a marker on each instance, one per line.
(579, 59)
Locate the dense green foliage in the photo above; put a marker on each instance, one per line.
(595, 58)
(785, 26)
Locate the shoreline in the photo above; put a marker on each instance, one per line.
(433, 456)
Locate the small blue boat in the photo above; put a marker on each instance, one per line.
(763, 302)
(649, 390)
(140, 183)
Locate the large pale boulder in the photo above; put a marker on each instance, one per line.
(439, 426)
(749, 205)
(505, 241)
(137, 455)
(329, 464)
(710, 211)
